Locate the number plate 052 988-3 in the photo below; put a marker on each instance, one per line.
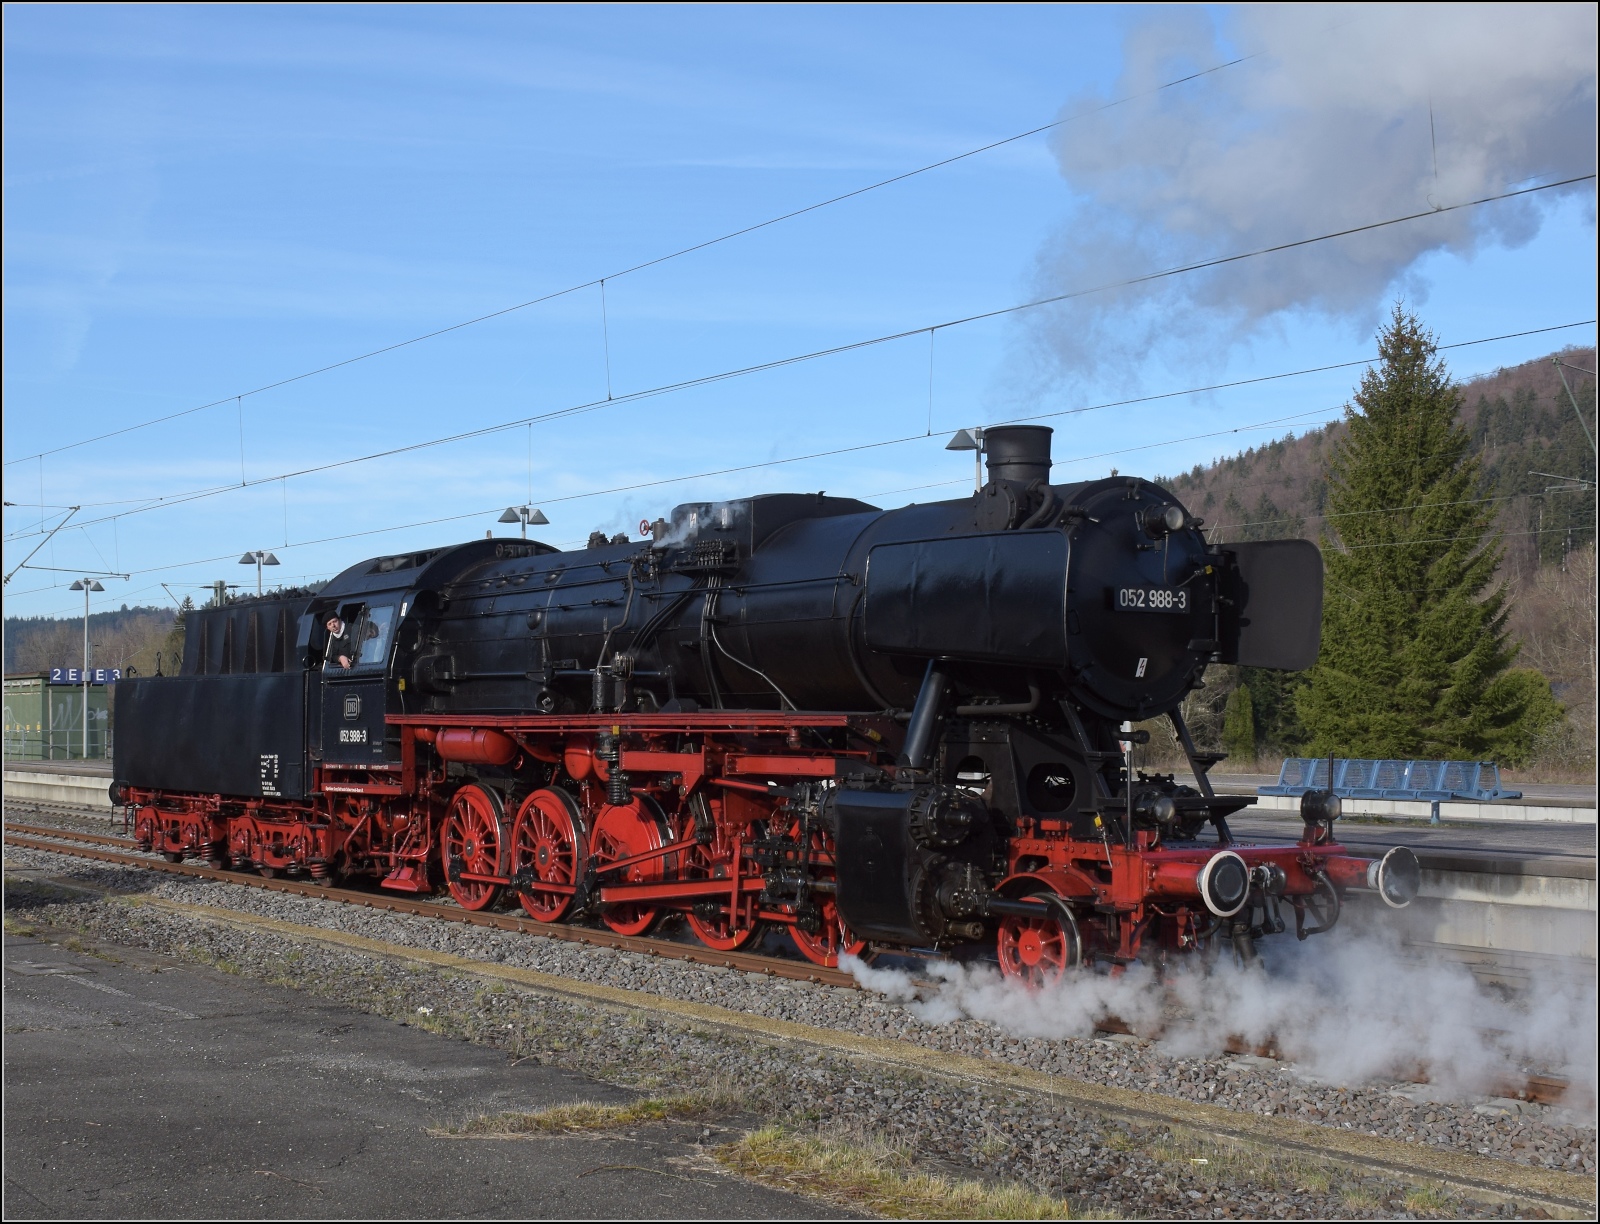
(1150, 599)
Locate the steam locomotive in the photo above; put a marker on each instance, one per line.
(909, 728)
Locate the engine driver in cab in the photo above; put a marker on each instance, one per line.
(341, 650)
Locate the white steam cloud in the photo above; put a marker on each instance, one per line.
(1344, 116)
(1348, 1008)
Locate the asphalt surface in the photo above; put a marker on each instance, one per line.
(148, 1089)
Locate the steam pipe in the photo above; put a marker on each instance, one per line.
(925, 716)
(1019, 707)
(1048, 508)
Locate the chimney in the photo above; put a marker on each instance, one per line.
(1019, 453)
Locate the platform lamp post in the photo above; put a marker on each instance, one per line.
(85, 585)
(258, 559)
(523, 515)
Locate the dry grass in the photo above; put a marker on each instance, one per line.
(1209, 1162)
(1430, 1201)
(73, 944)
(878, 1177)
(579, 1116)
(1357, 1199)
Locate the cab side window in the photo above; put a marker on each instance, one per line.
(373, 632)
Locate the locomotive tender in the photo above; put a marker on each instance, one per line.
(903, 727)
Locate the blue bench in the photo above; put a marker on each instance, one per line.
(1431, 781)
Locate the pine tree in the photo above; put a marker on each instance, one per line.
(1239, 725)
(172, 648)
(1272, 705)
(1416, 660)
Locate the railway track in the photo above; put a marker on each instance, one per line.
(122, 851)
(103, 848)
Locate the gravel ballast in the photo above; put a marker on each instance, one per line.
(1102, 1164)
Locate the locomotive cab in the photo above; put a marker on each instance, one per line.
(355, 683)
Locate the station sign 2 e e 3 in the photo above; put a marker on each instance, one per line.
(77, 675)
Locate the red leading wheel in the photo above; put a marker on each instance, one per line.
(473, 840)
(547, 844)
(832, 938)
(622, 832)
(1038, 951)
(712, 918)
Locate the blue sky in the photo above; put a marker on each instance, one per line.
(203, 201)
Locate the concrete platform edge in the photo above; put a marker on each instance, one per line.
(1404, 809)
(74, 790)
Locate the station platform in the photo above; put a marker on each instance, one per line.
(1515, 901)
(1540, 803)
(60, 783)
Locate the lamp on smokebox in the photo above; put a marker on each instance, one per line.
(970, 440)
(523, 515)
(258, 559)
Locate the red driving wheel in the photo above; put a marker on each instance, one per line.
(724, 931)
(825, 945)
(547, 851)
(622, 832)
(473, 837)
(1038, 951)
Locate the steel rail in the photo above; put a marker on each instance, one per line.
(88, 845)
(1541, 1089)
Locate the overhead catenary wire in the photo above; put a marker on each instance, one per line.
(666, 480)
(1142, 399)
(1313, 516)
(1457, 539)
(854, 346)
(654, 262)
(479, 513)
(1340, 514)
(1277, 422)
(1270, 475)
(1123, 403)
(901, 440)
(858, 447)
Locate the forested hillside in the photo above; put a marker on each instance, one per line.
(1537, 469)
(1522, 425)
(127, 637)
